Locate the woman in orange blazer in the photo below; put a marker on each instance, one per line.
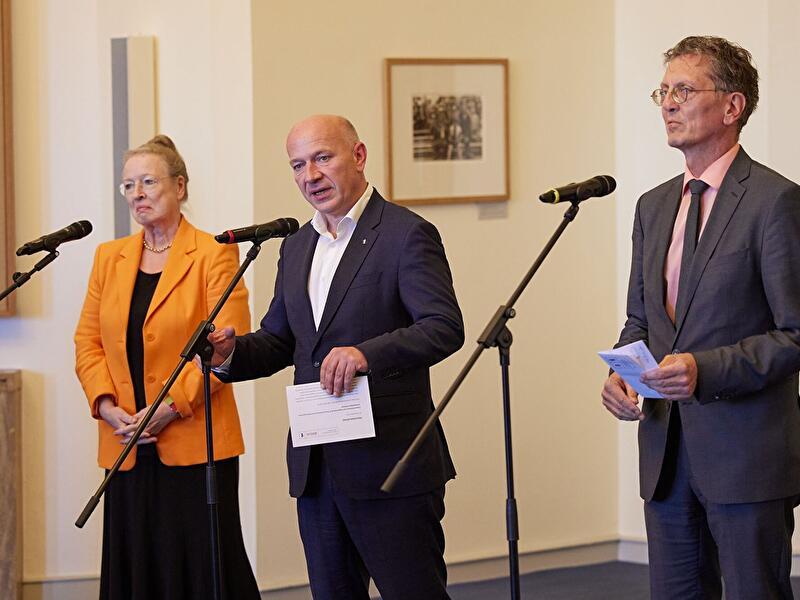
(147, 293)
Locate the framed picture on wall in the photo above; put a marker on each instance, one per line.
(447, 130)
(6, 161)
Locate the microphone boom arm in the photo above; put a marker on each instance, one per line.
(21, 279)
(487, 339)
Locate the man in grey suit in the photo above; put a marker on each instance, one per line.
(715, 293)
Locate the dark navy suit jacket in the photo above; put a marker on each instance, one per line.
(739, 315)
(392, 297)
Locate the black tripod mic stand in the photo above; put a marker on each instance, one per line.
(496, 334)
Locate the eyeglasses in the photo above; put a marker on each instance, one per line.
(678, 94)
(148, 183)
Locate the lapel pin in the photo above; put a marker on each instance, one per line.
(364, 242)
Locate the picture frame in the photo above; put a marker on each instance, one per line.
(447, 130)
(7, 305)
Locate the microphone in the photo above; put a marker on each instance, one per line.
(258, 233)
(51, 241)
(602, 185)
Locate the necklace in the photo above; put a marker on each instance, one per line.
(156, 250)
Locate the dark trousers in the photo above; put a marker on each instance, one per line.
(692, 542)
(398, 542)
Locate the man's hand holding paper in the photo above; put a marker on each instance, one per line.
(317, 417)
(675, 378)
(631, 362)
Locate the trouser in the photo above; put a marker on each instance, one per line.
(693, 542)
(398, 542)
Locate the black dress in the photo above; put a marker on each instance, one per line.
(155, 528)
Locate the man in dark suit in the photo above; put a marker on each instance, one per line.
(363, 288)
(715, 293)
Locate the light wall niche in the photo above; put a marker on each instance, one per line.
(134, 111)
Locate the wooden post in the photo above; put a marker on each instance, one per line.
(10, 485)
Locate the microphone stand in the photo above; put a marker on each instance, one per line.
(199, 345)
(496, 334)
(21, 278)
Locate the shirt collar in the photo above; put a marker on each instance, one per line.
(715, 172)
(351, 218)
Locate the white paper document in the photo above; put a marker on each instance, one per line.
(630, 362)
(317, 417)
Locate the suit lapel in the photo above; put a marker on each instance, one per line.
(730, 194)
(665, 222)
(297, 264)
(126, 269)
(178, 264)
(357, 250)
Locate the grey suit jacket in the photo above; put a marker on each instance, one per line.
(739, 315)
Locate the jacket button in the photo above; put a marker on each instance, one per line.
(316, 364)
(150, 337)
(150, 379)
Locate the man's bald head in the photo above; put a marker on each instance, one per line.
(333, 125)
(328, 160)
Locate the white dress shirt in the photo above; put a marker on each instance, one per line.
(327, 256)
(329, 251)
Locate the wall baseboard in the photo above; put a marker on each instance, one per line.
(475, 570)
(61, 589)
(634, 551)
(491, 568)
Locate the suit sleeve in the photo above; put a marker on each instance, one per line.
(270, 348)
(635, 328)
(90, 356)
(760, 360)
(188, 388)
(427, 294)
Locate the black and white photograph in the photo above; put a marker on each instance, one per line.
(447, 130)
(448, 127)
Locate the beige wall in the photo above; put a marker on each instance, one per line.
(320, 58)
(230, 83)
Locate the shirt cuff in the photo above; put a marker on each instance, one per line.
(225, 367)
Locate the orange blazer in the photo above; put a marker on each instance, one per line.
(196, 273)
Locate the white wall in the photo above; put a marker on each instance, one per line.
(64, 172)
(783, 86)
(324, 58)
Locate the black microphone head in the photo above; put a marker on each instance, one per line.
(600, 185)
(292, 225)
(51, 241)
(83, 227)
(607, 185)
(278, 228)
(258, 233)
(596, 187)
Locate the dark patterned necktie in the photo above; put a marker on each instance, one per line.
(696, 187)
